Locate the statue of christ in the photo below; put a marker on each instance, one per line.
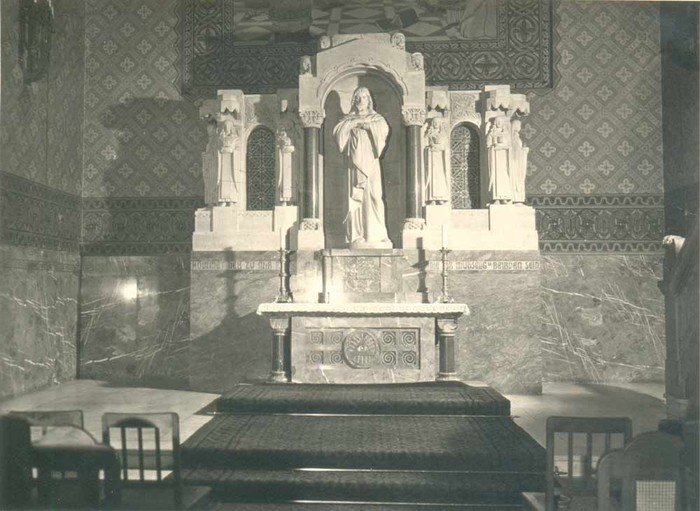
(361, 136)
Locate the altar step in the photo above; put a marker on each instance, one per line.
(354, 506)
(389, 447)
(435, 487)
(428, 398)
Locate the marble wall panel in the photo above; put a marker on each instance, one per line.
(499, 342)
(134, 319)
(38, 314)
(229, 342)
(603, 318)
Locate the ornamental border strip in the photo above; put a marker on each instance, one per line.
(247, 57)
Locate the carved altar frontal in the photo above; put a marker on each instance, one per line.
(362, 349)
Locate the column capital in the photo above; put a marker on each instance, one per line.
(279, 325)
(413, 115)
(446, 326)
(311, 118)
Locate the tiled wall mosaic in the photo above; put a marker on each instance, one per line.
(41, 129)
(598, 131)
(465, 44)
(141, 138)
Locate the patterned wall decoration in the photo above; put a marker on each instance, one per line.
(141, 138)
(465, 165)
(599, 130)
(599, 223)
(260, 170)
(144, 226)
(38, 216)
(466, 44)
(41, 129)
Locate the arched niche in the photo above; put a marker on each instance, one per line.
(467, 180)
(387, 102)
(260, 170)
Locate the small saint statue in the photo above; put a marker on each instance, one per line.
(498, 142)
(210, 164)
(285, 150)
(228, 135)
(361, 136)
(518, 163)
(437, 179)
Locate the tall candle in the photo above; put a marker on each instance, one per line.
(282, 241)
(444, 235)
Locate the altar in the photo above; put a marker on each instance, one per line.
(354, 222)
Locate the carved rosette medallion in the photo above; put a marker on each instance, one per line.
(398, 40)
(360, 349)
(413, 116)
(311, 118)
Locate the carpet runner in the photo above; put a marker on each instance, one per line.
(445, 445)
(428, 398)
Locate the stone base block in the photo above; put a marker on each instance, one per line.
(222, 228)
(310, 235)
(363, 350)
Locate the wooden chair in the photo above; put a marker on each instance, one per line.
(74, 470)
(610, 481)
(150, 488)
(15, 462)
(577, 479)
(52, 418)
(650, 467)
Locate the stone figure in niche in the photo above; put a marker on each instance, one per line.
(361, 136)
(498, 142)
(210, 164)
(285, 150)
(438, 191)
(228, 136)
(518, 163)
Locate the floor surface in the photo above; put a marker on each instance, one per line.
(643, 403)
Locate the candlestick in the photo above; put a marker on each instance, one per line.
(444, 295)
(284, 295)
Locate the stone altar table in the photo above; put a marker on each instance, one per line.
(363, 342)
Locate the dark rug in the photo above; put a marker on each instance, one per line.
(364, 442)
(429, 398)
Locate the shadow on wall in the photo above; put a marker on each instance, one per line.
(229, 343)
(134, 314)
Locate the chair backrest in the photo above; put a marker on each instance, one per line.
(651, 473)
(68, 461)
(52, 418)
(582, 451)
(609, 475)
(147, 454)
(15, 463)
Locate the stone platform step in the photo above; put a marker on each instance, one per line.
(354, 506)
(482, 444)
(434, 487)
(428, 398)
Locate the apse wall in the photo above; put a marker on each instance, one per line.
(40, 184)
(595, 178)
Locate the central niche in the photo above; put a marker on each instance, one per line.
(335, 173)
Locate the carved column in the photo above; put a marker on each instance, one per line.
(446, 329)
(311, 120)
(280, 328)
(413, 118)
